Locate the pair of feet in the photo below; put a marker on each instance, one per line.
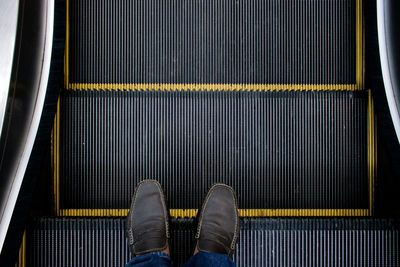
(148, 220)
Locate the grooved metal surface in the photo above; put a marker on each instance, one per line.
(239, 42)
(279, 150)
(263, 242)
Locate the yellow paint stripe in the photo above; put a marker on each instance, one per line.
(66, 53)
(209, 87)
(55, 159)
(372, 143)
(360, 45)
(22, 253)
(242, 212)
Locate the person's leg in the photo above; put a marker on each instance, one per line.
(209, 259)
(147, 226)
(151, 259)
(217, 230)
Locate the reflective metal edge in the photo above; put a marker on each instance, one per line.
(386, 74)
(8, 33)
(33, 127)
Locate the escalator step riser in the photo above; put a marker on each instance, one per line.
(230, 42)
(279, 150)
(263, 242)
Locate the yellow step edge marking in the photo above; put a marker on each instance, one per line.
(66, 52)
(360, 45)
(55, 159)
(209, 87)
(22, 253)
(372, 144)
(190, 213)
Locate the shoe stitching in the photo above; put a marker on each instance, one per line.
(236, 215)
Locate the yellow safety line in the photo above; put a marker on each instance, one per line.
(360, 45)
(66, 54)
(55, 159)
(22, 253)
(209, 87)
(372, 143)
(242, 212)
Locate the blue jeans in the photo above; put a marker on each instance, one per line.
(163, 260)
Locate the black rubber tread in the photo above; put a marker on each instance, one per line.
(179, 41)
(294, 150)
(263, 242)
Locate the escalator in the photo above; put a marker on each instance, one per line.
(269, 97)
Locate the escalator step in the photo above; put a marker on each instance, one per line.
(263, 242)
(279, 150)
(213, 42)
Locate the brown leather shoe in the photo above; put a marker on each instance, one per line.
(218, 226)
(147, 225)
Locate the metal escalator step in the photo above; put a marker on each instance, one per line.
(263, 242)
(148, 43)
(279, 150)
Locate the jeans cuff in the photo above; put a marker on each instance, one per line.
(161, 254)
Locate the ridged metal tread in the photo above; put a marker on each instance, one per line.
(263, 242)
(279, 150)
(232, 42)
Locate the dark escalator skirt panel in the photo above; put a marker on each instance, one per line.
(262, 242)
(279, 150)
(239, 42)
